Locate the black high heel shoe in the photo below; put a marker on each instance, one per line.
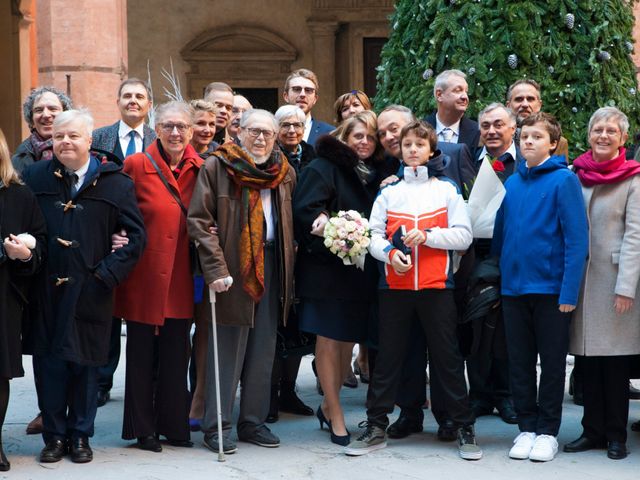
(322, 419)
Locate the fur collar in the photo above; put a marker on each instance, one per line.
(336, 152)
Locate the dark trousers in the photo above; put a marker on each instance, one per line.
(535, 326)
(157, 402)
(67, 396)
(606, 397)
(412, 394)
(436, 312)
(105, 373)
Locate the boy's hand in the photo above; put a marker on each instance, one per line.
(414, 238)
(390, 179)
(400, 263)
(564, 308)
(622, 304)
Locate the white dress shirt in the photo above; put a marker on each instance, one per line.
(123, 136)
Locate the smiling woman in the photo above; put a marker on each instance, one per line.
(164, 177)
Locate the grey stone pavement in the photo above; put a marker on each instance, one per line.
(306, 451)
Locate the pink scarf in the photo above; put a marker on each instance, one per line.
(616, 170)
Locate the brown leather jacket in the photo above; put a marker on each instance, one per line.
(217, 201)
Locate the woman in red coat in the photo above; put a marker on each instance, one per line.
(157, 298)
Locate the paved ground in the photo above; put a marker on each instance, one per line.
(306, 451)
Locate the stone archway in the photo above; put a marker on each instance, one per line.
(242, 56)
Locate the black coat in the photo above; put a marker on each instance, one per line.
(19, 213)
(329, 184)
(307, 155)
(76, 287)
(24, 156)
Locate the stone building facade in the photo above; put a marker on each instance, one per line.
(86, 47)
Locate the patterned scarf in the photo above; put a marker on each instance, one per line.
(246, 175)
(42, 148)
(615, 170)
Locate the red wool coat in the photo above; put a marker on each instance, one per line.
(161, 285)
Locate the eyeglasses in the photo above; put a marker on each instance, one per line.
(255, 133)
(307, 90)
(168, 127)
(297, 126)
(609, 132)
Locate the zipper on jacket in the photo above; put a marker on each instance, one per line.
(415, 260)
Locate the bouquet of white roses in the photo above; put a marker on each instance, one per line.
(347, 235)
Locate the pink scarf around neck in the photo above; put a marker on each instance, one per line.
(616, 170)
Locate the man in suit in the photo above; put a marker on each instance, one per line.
(127, 136)
(488, 367)
(450, 91)
(221, 96)
(459, 166)
(301, 89)
(130, 134)
(524, 98)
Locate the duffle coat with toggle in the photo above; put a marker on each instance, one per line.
(75, 290)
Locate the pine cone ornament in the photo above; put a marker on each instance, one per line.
(629, 45)
(471, 70)
(570, 20)
(603, 56)
(512, 60)
(427, 74)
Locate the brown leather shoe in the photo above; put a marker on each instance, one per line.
(35, 426)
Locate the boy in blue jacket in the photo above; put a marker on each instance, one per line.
(541, 236)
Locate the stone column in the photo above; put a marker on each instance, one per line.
(324, 66)
(83, 45)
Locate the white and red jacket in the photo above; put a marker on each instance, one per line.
(431, 204)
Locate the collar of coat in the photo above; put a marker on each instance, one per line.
(336, 152)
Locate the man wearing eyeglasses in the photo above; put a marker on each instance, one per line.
(301, 89)
(221, 96)
(127, 136)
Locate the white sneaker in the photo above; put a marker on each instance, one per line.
(522, 446)
(544, 448)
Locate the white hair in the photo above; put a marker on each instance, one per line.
(246, 116)
(287, 111)
(68, 116)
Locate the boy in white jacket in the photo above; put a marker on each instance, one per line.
(419, 282)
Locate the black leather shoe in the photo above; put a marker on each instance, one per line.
(103, 397)
(447, 431)
(351, 381)
(583, 444)
(507, 412)
(635, 426)
(80, 450)
(5, 466)
(617, 450)
(481, 409)
(53, 451)
(149, 443)
(403, 427)
(291, 403)
(180, 443)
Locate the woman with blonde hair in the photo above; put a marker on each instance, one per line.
(22, 244)
(336, 300)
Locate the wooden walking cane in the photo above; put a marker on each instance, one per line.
(212, 298)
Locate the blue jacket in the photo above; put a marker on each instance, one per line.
(541, 232)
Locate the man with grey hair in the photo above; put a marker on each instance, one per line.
(84, 201)
(487, 365)
(40, 108)
(451, 94)
(246, 192)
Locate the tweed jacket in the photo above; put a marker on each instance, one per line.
(613, 268)
(106, 138)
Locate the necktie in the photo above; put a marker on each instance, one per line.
(447, 134)
(131, 148)
(73, 179)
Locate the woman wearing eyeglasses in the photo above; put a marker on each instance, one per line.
(605, 330)
(157, 298)
(246, 192)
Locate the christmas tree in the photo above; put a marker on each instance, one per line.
(578, 50)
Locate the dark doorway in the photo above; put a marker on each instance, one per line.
(371, 55)
(265, 98)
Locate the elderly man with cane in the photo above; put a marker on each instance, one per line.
(244, 191)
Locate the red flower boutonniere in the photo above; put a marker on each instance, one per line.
(498, 166)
